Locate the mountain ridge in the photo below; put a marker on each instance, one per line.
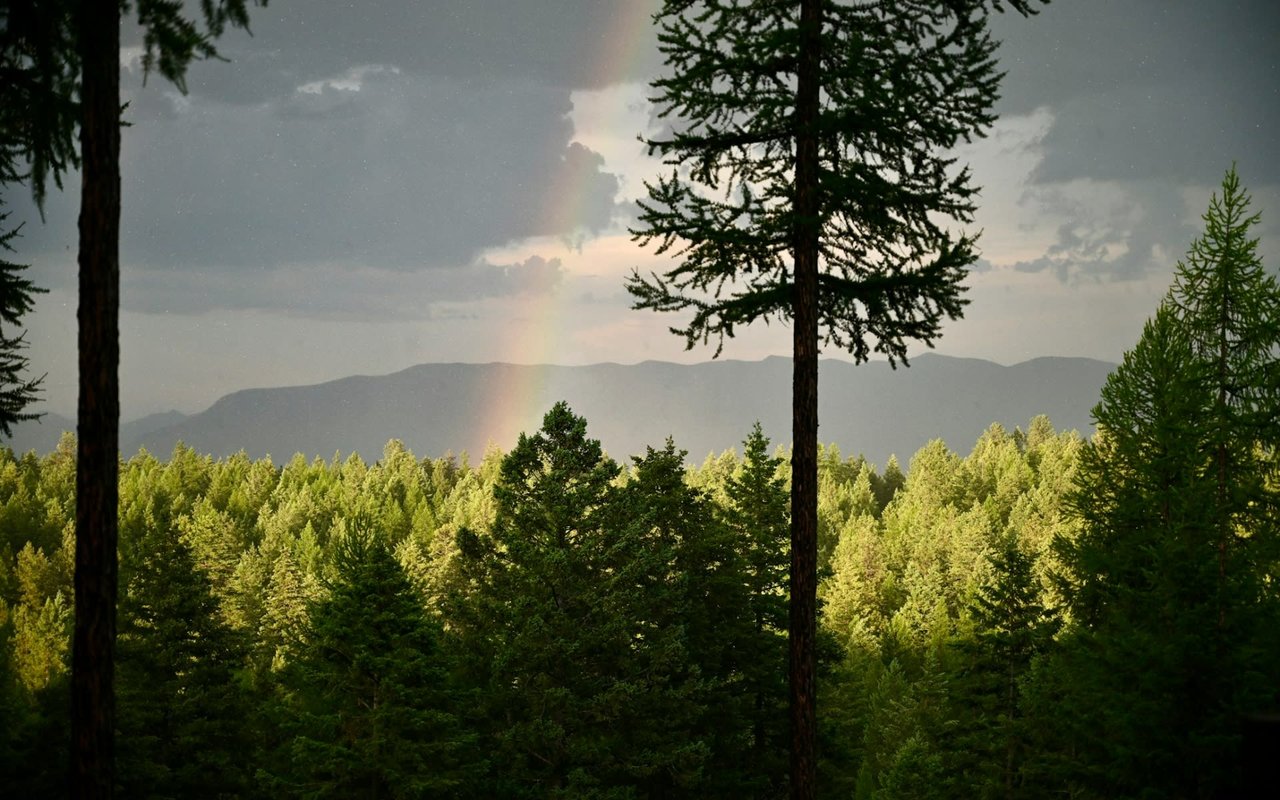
(437, 408)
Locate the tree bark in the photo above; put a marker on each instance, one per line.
(98, 413)
(804, 401)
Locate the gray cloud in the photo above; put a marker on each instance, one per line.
(1146, 89)
(404, 173)
(429, 133)
(337, 291)
(1114, 233)
(563, 43)
(1150, 99)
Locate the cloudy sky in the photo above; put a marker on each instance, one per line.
(363, 188)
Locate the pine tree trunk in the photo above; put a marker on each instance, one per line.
(804, 430)
(97, 456)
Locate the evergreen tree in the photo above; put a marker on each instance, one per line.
(1230, 307)
(703, 707)
(530, 621)
(757, 510)
(182, 710)
(61, 61)
(1170, 579)
(608, 623)
(808, 183)
(1012, 628)
(889, 483)
(16, 390)
(375, 714)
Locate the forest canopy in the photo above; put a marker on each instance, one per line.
(1045, 614)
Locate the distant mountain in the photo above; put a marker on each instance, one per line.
(439, 408)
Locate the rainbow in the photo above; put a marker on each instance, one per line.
(535, 337)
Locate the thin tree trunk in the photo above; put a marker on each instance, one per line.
(804, 430)
(98, 414)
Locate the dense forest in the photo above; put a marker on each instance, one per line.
(1046, 616)
(547, 622)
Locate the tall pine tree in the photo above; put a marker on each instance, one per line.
(182, 709)
(1170, 581)
(809, 183)
(375, 711)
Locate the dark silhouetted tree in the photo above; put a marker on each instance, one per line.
(809, 183)
(61, 63)
(376, 711)
(182, 709)
(16, 390)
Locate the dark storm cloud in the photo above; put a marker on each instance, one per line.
(406, 173)
(1149, 99)
(564, 43)
(1149, 89)
(398, 136)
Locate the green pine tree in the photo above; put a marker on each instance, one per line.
(182, 710)
(758, 513)
(1012, 627)
(1169, 581)
(17, 391)
(374, 711)
(809, 182)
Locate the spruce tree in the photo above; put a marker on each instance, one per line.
(696, 664)
(610, 624)
(809, 183)
(182, 710)
(17, 391)
(757, 512)
(1170, 580)
(1012, 628)
(531, 619)
(375, 712)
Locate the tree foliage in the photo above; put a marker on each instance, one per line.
(376, 711)
(1170, 581)
(17, 391)
(809, 183)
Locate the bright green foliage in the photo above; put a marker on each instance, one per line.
(40, 641)
(33, 741)
(215, 542)
(907, 587)
(629, 629)
(889, 483)
(181, 708)
(375, 714)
